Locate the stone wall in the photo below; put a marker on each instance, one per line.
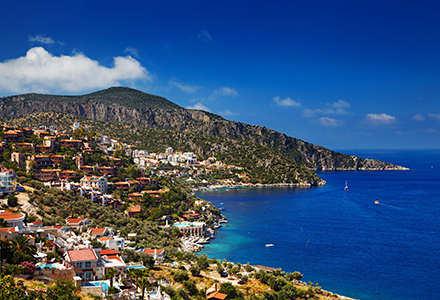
(56, 274)
(94, 290)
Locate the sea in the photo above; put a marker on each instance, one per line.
(340, 239)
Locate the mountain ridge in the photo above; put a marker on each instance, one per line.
(127, 105)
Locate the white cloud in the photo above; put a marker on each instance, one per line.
(379, 119)
(199, 106)
(435, 116)
(286, 102)
(227, 112)
(225, 92)
(338, 107)
(329, 121)
(205, 36)
(43, 40)
(132, 51)
(40, 71)
(308, 113)
(418, 117)
(335, 108)
(340, 104)
(183, 86)
(428, 130)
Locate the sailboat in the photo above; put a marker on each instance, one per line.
(346, 186)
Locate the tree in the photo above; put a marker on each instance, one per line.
(111, 272)
(143, 283)
(3, 223)
(220, 269)
(136, 273)
(12, 200)
(228, 289)
(249, 268)
(62, 290)
(147, 260)
(180, 276)
(203, 262)
(195, 270)
(23, 251)
(191, 286)
(297, 275)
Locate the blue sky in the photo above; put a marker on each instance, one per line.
(341, 74)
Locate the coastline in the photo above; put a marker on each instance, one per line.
(194, 247)
(251, 185)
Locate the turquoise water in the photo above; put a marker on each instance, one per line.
(182, 224)
(42, 266)
(136, 267)
(98, 283)
(341, 239)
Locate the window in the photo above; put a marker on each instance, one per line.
(79, 265)
(88, 265)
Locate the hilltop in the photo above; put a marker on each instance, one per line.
(119, 104)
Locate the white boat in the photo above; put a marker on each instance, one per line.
(270, 245)
(203, 241)
(346, 186)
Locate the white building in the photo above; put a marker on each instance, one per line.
(76, 126)
(169, 150)
(7, 182)
(94, 181)
(115, 243)
(14, 219)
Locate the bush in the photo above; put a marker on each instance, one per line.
(12, 201)
(195, 270)
(28, 267)
(181, 276)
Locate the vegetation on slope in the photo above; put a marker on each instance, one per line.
(259, 163)
(149, 111)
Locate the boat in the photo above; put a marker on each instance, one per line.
(346, 186)
(221, 208)
(269, 245)
(376, 202)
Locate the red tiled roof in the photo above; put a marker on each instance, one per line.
(97, 230)
(151, 251)
(109, 252)
(8, 215)
(106, 238)
(115, 257)
(8, 229)
(75, 220)
(81, 255)
(216, 295)
(136, 209)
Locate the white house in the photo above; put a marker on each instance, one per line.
(94, 181)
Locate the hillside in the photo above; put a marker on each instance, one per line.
(126, 105)
(260, 164)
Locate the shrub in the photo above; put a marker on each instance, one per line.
(181, 276)
(28, 267)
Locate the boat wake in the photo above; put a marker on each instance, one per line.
(392, 206)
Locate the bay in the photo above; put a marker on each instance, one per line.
(342, 239)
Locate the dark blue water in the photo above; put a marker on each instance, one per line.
(341, 239)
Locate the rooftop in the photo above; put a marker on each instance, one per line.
(81, 255)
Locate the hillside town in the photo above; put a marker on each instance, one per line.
(60, 161)
(57, 190)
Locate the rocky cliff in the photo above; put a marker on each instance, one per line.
(137, 108)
